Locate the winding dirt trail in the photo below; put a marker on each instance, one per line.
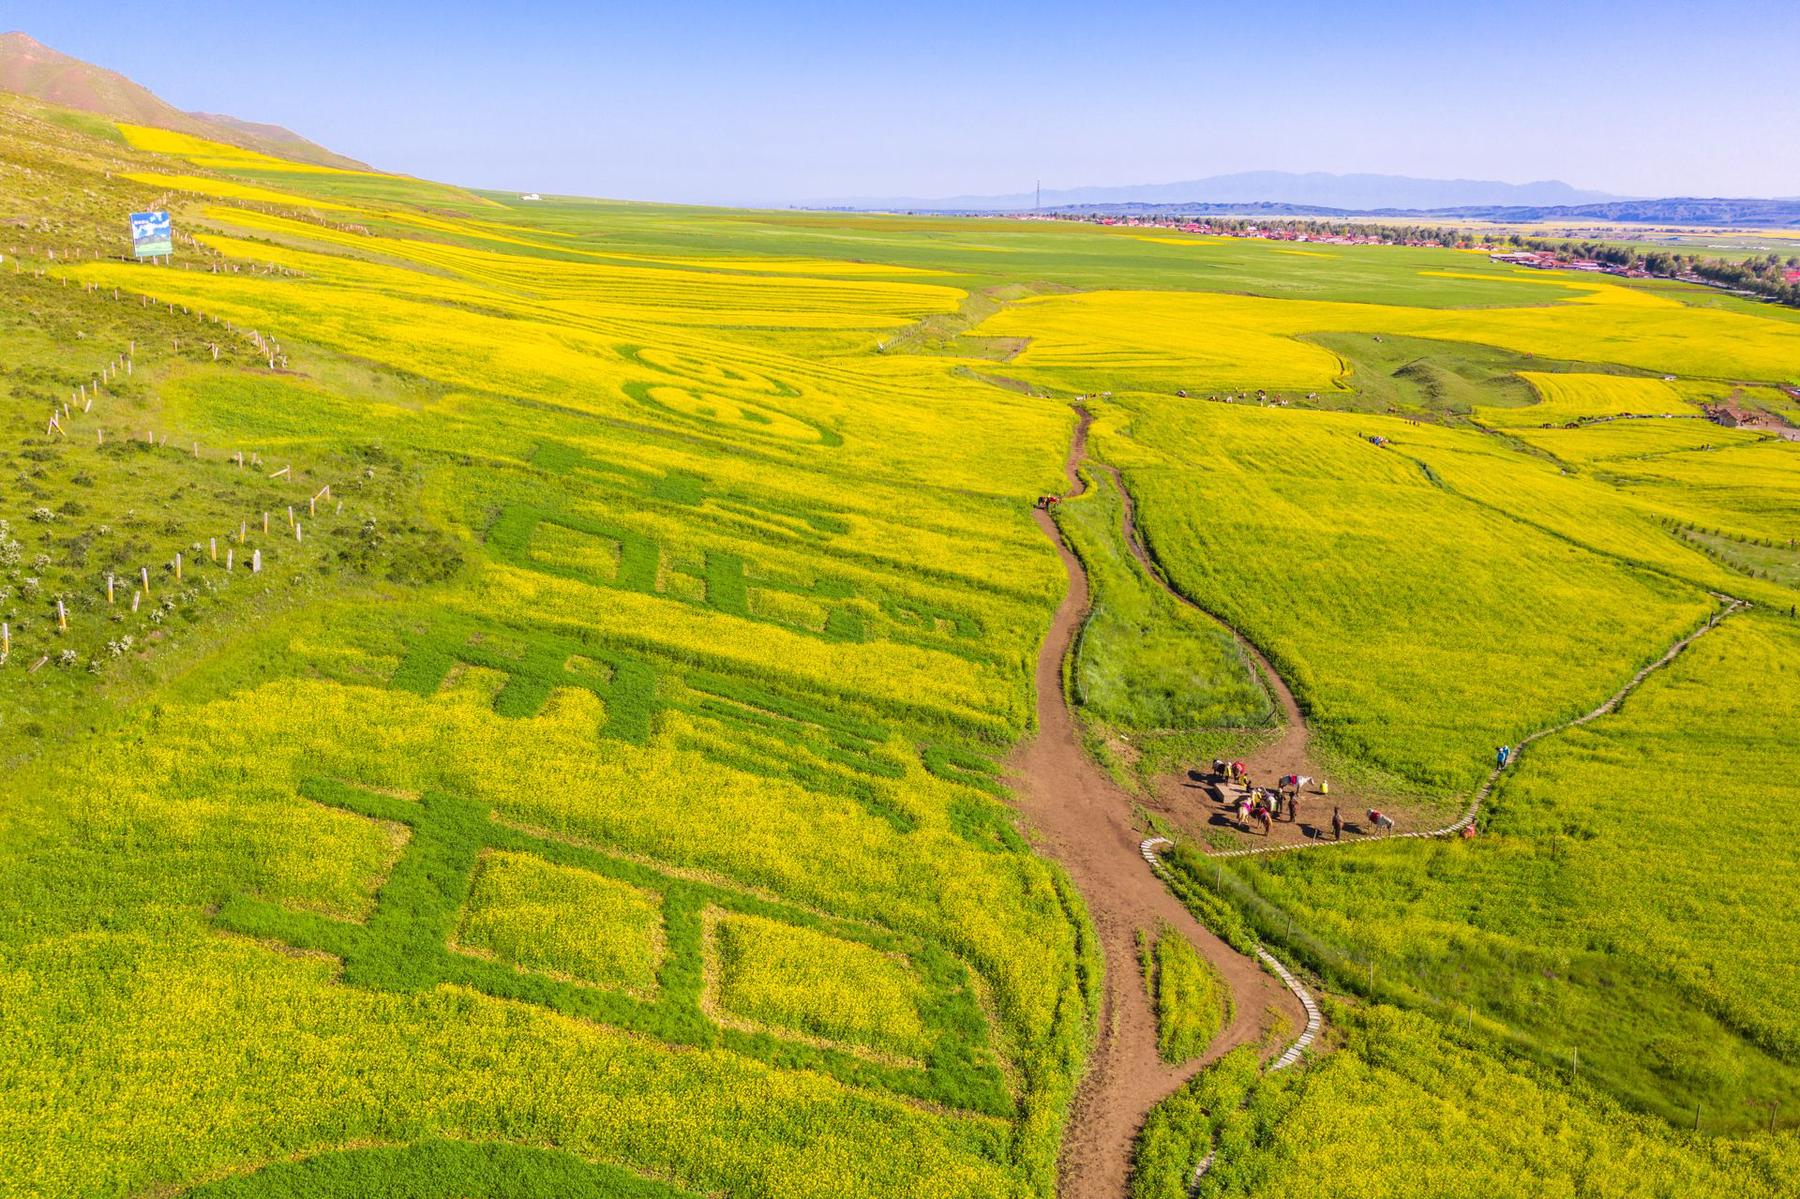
(1080, 818)
(1289, 753)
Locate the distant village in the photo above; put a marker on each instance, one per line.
(1551, 260)
(1375, 235)
(1767, 280)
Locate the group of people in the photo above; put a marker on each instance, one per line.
(1264, 805)
(1267, 805)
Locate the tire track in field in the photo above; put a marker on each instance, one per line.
(1082, 819)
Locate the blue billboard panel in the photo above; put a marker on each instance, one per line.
(152, 235)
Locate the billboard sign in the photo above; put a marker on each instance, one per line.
(152, 235)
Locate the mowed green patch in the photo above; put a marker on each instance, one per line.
(1765, 558)
(1192, 1001)
(1145, 664)
(1388, 371)
(129, 539)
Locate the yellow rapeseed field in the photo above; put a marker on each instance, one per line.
(1570, 398)
(1158, 341)
(218, 155)
(604, 759)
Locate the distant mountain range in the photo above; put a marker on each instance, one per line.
(30, 68)
(1284, 194)
(1346, 193)
(1679, 210)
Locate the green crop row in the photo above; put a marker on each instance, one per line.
(619, 557)
(1180, 1132)
(1145, 663)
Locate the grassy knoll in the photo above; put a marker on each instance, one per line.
(1765, 558)
(1385, 371)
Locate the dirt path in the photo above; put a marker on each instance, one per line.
(1185, 799)
(1189, 802)
(1080, 818)
(1083, 820)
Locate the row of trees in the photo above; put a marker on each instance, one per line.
(1765, 275)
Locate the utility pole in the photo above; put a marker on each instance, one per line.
(1038, 206)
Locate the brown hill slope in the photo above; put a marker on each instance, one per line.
(30, 68)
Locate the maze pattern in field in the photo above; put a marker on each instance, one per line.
(534, 536)
(769, 733)
(690, 490)
(405, 945)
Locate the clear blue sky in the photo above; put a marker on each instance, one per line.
(774, 102)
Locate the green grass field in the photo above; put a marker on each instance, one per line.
(1156, 682)
(621, 690)
(1192, 1002)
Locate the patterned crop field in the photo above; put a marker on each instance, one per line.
(506, 698)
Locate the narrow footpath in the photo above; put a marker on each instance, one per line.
(1288, 753)
(1079, 817)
